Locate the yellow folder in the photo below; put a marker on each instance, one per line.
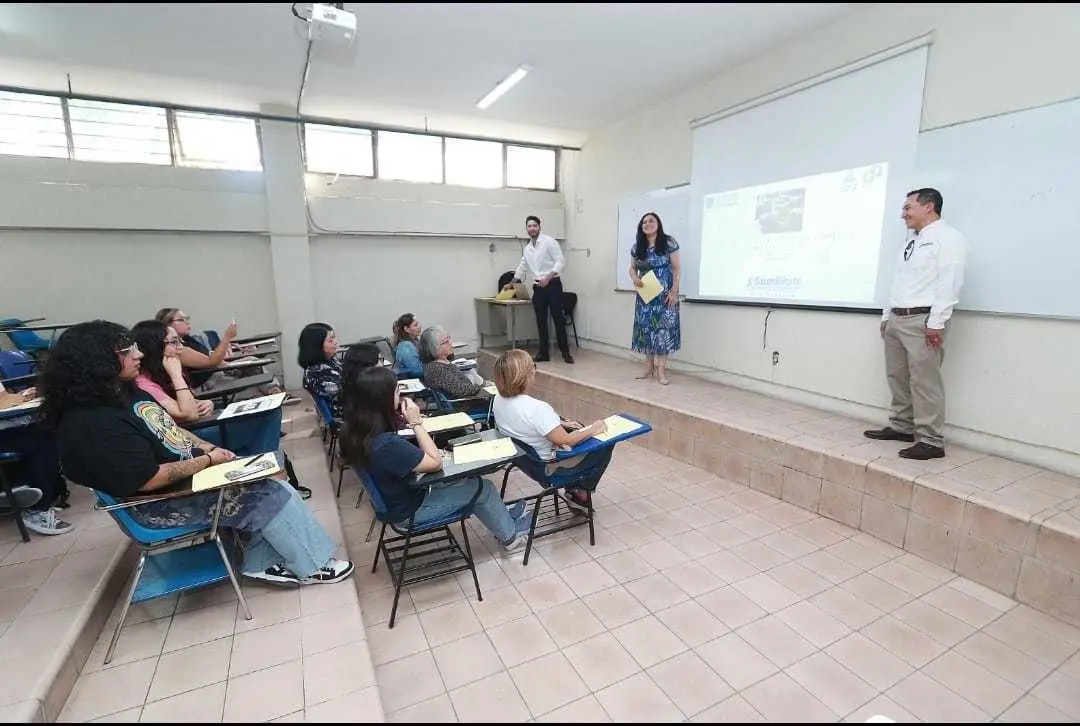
(650, 287)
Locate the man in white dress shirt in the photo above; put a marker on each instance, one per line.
(925, 289)
(543, 261)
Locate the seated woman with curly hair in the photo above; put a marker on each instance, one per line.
(116, 439)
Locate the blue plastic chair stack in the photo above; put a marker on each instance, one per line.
(421, 551)
(170, 560)
(28, 341)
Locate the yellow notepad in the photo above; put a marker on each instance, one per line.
(449, 421)
(484, 451)
(617, 426)
(491, 390)
(505, 295)
(237, 471)
(650, 287)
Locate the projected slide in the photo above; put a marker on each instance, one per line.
(814, 239)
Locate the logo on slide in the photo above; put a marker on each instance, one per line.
(849, 183)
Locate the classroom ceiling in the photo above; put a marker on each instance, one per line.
(412, 63)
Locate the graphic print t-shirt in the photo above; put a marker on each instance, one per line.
(118, 449)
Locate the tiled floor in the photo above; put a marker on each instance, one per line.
(196, 658)
(702, 600)
(46, 584)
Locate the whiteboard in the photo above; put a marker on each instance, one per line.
(673, 207)
(1011, 184)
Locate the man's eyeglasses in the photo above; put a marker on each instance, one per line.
(182, 319)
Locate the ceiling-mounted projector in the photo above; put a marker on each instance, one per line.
(332, 24)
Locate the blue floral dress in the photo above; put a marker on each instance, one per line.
(656, 326)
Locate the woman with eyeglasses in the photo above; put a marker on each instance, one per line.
(196, 355)
(162, 375)
(317, 356)
(115, 439)
(440, 374)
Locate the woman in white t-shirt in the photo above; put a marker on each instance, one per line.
(535, 423)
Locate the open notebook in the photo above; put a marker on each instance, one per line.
(434, 424)
(238, 471)
(617, 426)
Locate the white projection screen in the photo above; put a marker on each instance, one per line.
(794, 199)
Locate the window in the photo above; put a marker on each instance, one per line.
(210, 141)
(32, 125)
(119, 132)
(338, 150)
(410, 157)
(474, 163)
(530, 167)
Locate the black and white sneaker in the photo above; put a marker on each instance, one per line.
(275, 574)
(333, 571)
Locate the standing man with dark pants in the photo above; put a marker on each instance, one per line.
(925, 289)
(543, 261)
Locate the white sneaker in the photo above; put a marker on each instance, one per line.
(275, 574)
(46, 522)
(333, 571)
(517, 543)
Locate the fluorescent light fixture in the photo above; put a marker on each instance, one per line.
(504, 85)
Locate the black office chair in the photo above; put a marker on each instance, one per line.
(569, 304)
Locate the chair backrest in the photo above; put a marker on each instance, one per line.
(569, 302)
(377, 502)
(16, 363)
(383, 344)
(212, 338)
(326, 411)
(143, 535)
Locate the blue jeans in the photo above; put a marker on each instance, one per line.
(585, 474)
(489, 508)
(293, 538)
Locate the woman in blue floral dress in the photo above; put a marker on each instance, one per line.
(656, 323)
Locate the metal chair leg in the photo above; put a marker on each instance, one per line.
(399, 578)
(472, 565)
(130, 593)
(379, 548)
(370, 529)
(232, 576)
(16, 510)
(532, 529)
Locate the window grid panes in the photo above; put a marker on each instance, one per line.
(338, 150)
(474, 163)
(410, 157)
(32, 125)
(210, 141)
(35, 125)
(530, 167)
(117, 132)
